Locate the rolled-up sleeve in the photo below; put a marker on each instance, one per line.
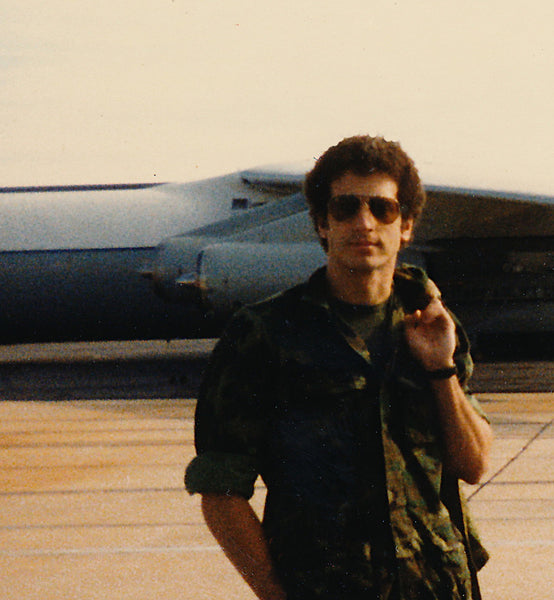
(221, 473)
(232, 411)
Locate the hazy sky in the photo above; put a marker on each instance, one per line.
(117, 90)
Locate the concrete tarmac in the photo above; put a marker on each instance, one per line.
(93, 505)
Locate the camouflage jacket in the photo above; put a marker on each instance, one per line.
(292, 395)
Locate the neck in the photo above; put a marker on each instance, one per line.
(360, 287)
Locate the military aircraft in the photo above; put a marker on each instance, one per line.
(82, 262)
(73, 258)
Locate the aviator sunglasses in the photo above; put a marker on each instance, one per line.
(346, 206)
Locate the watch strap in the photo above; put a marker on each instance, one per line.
(445, 373)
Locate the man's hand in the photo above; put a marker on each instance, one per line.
(236, 527)
(431, 336)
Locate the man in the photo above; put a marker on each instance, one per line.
(347, 395)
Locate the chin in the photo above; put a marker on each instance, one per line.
(364, 266)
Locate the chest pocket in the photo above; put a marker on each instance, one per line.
(324, 384)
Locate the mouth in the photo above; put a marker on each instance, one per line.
(363, 243)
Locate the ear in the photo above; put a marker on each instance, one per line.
(406, 230)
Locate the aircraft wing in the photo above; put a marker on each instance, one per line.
(453, 213)
(83, 217)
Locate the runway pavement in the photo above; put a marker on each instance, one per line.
(93, 506)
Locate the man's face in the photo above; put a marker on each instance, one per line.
(363, 242)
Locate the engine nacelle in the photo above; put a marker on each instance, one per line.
(174, 273)
(232, 274)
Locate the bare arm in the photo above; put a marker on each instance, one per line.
(467, 436)
(236, 527)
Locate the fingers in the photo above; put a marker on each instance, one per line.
(434, 310)
(412, 319)
(434, 315)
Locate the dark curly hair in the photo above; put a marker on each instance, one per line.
(363, 155)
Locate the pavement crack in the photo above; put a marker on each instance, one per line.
(513, 459)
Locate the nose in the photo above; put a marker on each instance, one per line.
(364, 217)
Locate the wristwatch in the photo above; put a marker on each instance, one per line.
(445, 373)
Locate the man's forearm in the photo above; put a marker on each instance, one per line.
(236, 527)
(467, 436)
(431, 336)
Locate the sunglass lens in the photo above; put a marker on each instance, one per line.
(344, 207)
(384, 209)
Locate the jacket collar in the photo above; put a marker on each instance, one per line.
(408, 282)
